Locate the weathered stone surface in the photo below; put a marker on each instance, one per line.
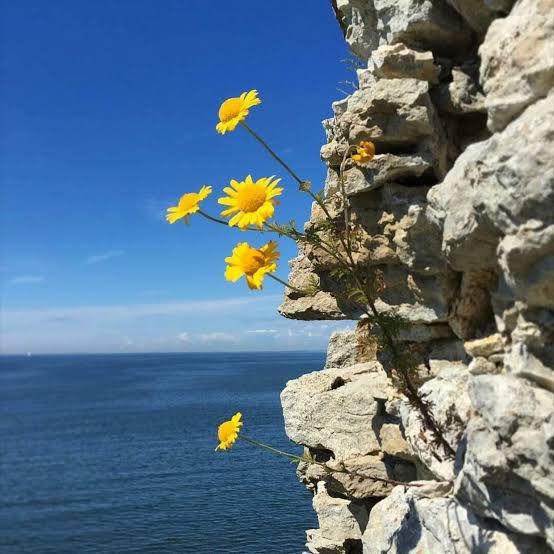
(342, 350)
(493, 191)
(517, 65)
(335, 409)
(462, 95)
(397, 61)
(341, 523)
(383, 169)
(447, 393)
(358, 483)
(408, 522)
(393, 442)
(508, 467)
(481, 13)
(417, 23)
(485, 347)
(395, 112)
(471, 311)
(470, 260)
(482, 366)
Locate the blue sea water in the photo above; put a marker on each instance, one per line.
(115, 454)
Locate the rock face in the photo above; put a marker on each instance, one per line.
(456, 214)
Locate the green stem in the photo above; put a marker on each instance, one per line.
(272, 153)
(328, 469)
(275, 278)
(215, 219)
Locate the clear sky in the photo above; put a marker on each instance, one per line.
(108, 115)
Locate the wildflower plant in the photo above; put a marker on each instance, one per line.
(250, 205)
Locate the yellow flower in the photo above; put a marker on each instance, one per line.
(188, 204)
(364, 152)
(234, 110)
(253, 201)
(251, 262)
(228, 432)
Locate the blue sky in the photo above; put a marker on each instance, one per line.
(109, 112)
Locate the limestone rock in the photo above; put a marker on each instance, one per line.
(383, 169)
(462, 95)
(342, 349)
(335, 409)
(393, 442)
(508, 467)
(397, 61)
(407, 522)
(482, 366)
(485, 347)
(494, 189)
(447, 394)
(358, 484)
(517, 65)
(481, 13)
(341, 523)
(417, 23)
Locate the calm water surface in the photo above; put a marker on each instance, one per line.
(115, 453)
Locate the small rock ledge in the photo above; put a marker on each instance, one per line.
(457, 208)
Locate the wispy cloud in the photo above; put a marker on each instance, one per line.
(262, 332)
(27, 279)
(123, 312)
(103, 257)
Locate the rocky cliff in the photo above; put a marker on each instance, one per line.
(457, 211)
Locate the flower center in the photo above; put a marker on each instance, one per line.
(225, 430)
(251, 198)
(229, 109)
(252, 261)
(188, 201)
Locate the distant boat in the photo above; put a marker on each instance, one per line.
(29, 354)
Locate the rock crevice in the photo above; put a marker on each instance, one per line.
(456, 211)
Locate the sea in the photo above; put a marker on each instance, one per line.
(115, 454)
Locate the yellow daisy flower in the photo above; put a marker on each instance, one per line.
(253, 201)
(364, 152)
(251, 262)
(188, 204)
(228, 432)
(234, 110)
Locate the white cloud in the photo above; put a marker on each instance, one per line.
(218, 337)
(124, 312)
(263, 332)
(103, 257)
(184, 337)
(27, 279)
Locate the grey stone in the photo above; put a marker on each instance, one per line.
(482, 366)
(341, 522)
(417, 23)
(493, 190)
(485, 347)
(462, 95)
(517, 61)
(408, 522)
(397, 61)
(447, 394)
(508, 467)
(335, 409)
(481, 13)
(342, 350)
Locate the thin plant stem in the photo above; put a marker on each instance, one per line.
(351, 266)
(214, 219)
(328, 469)
(284, 283)
(272, 152)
